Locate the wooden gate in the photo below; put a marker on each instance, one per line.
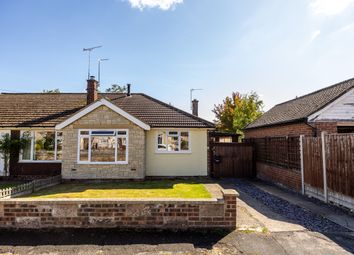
(232, 160)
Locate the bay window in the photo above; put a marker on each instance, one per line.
(103, 146)
(42, 146)
(173, 141)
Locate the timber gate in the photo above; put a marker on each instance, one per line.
(232, 160)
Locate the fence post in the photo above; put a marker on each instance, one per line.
(324, 167)
(302, 165)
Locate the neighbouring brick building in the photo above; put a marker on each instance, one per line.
(276, 132)
(330, 109)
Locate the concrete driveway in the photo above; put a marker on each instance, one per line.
(266, 225)
(263, 230)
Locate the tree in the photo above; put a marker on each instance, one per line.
(237, 111)
(51, 91)
(116, 88)
(7, 145)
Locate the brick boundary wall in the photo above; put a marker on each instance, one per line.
(120, 213)
(292, 129)
(289, 178)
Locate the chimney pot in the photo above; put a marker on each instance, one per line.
(195, 107)
(128, 89)
(92, 94)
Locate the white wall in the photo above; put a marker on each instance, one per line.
(178, 164)
(340, 109)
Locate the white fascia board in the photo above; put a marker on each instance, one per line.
(314, 117)
(97, 104)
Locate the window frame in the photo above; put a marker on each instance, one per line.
(31, 160)
(89, 136)
(166, 151)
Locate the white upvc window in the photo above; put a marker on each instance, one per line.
(172, 141)
(103, 146)
(42, 146)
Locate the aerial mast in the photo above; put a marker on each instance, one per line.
(89, 58)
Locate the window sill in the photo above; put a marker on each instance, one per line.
(173, 152)
(102, 163)
(40, 161)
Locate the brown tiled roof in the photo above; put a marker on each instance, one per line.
(49, 109)
(302, 107)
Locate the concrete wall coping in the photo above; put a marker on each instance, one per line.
(110, 200)
(215, 190)
(230, 192)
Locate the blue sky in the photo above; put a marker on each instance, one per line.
(278, 48)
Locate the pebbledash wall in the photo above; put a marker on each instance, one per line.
(105, 213)
(191, 163)
(103, 118)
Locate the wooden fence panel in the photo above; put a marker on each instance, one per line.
(313, 172)
(279, 151)
(233, 160)
(340, 163)
(339, 153)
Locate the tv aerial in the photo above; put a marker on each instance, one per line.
(89, 58)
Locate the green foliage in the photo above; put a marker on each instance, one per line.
(115, 88)
(237, 111)
(51, 91)
(7, 145)
(46, 143)
(146, 189)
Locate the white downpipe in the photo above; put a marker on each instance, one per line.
(302, 165)
(324, 167)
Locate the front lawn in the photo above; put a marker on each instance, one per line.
(9, 184)
(126, 189)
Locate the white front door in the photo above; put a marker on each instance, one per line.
(2, 133)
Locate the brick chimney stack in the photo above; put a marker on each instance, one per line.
(195, 107)
(92, 94)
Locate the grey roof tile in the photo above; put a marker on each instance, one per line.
(302, 107)
(49, 109)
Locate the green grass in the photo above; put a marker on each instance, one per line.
(9, 184)
(126, 189)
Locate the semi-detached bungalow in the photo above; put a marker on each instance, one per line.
(103, 135)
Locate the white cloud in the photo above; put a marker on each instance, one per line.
(330, 7)
(315, 35)
(346, 28)
(161, 4)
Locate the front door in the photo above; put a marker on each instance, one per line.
(2, 165)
